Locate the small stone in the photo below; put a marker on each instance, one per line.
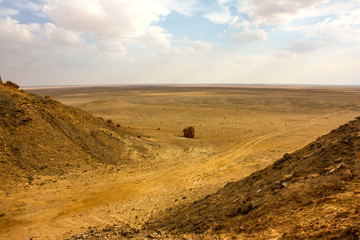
(245, 209)
(287, 177)
(277, 185)
(347, 175)
(48, 98)
(110, 122)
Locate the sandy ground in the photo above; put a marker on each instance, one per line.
(238, 131)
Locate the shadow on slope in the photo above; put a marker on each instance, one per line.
(311, 193)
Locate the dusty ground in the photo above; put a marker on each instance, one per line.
(237, 131)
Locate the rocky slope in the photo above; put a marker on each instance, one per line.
(313, 193)
(40, 136)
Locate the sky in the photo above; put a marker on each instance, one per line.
(95, 42)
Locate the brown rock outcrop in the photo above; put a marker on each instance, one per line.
(11, 85)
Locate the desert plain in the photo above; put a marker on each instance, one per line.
(238, 129)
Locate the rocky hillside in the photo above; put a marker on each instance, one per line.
(313, 193)
(40, 136)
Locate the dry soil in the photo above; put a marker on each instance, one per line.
(238, 130)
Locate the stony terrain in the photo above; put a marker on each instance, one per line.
(313, 193)
(41, 136)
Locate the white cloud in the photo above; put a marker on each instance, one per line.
(251, 35)
(223, 2)
(111, 46)
(332, 8)
(197, 45)
(343, 29)
(108, 18)
(222, 17)
(155, 36)
(61, 36)
(110, 25)
(13, 32)
(188, 7)
(115, 24)
(4, 12)
(302, 46)
(29, 5)
(276, 12)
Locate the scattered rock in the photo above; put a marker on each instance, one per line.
(248, 207)
(277, 185)
(243, 209)
(347, 175)
(118, 125)
(48, 98)
(287, 177)
(189, 132)
(54, 139)
(294, 191)
(110, 122)
(2, 214)
(11, 85)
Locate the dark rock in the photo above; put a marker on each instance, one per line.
(189, 132)
(277, 185)
(110, 122)
(11, 85)
(48, 98)
(245, 209)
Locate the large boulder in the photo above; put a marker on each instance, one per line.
(189, 132)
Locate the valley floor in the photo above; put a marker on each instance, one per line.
(238, 130)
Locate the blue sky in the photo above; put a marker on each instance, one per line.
(86, 42)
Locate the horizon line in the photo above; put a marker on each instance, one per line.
(28, 87)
